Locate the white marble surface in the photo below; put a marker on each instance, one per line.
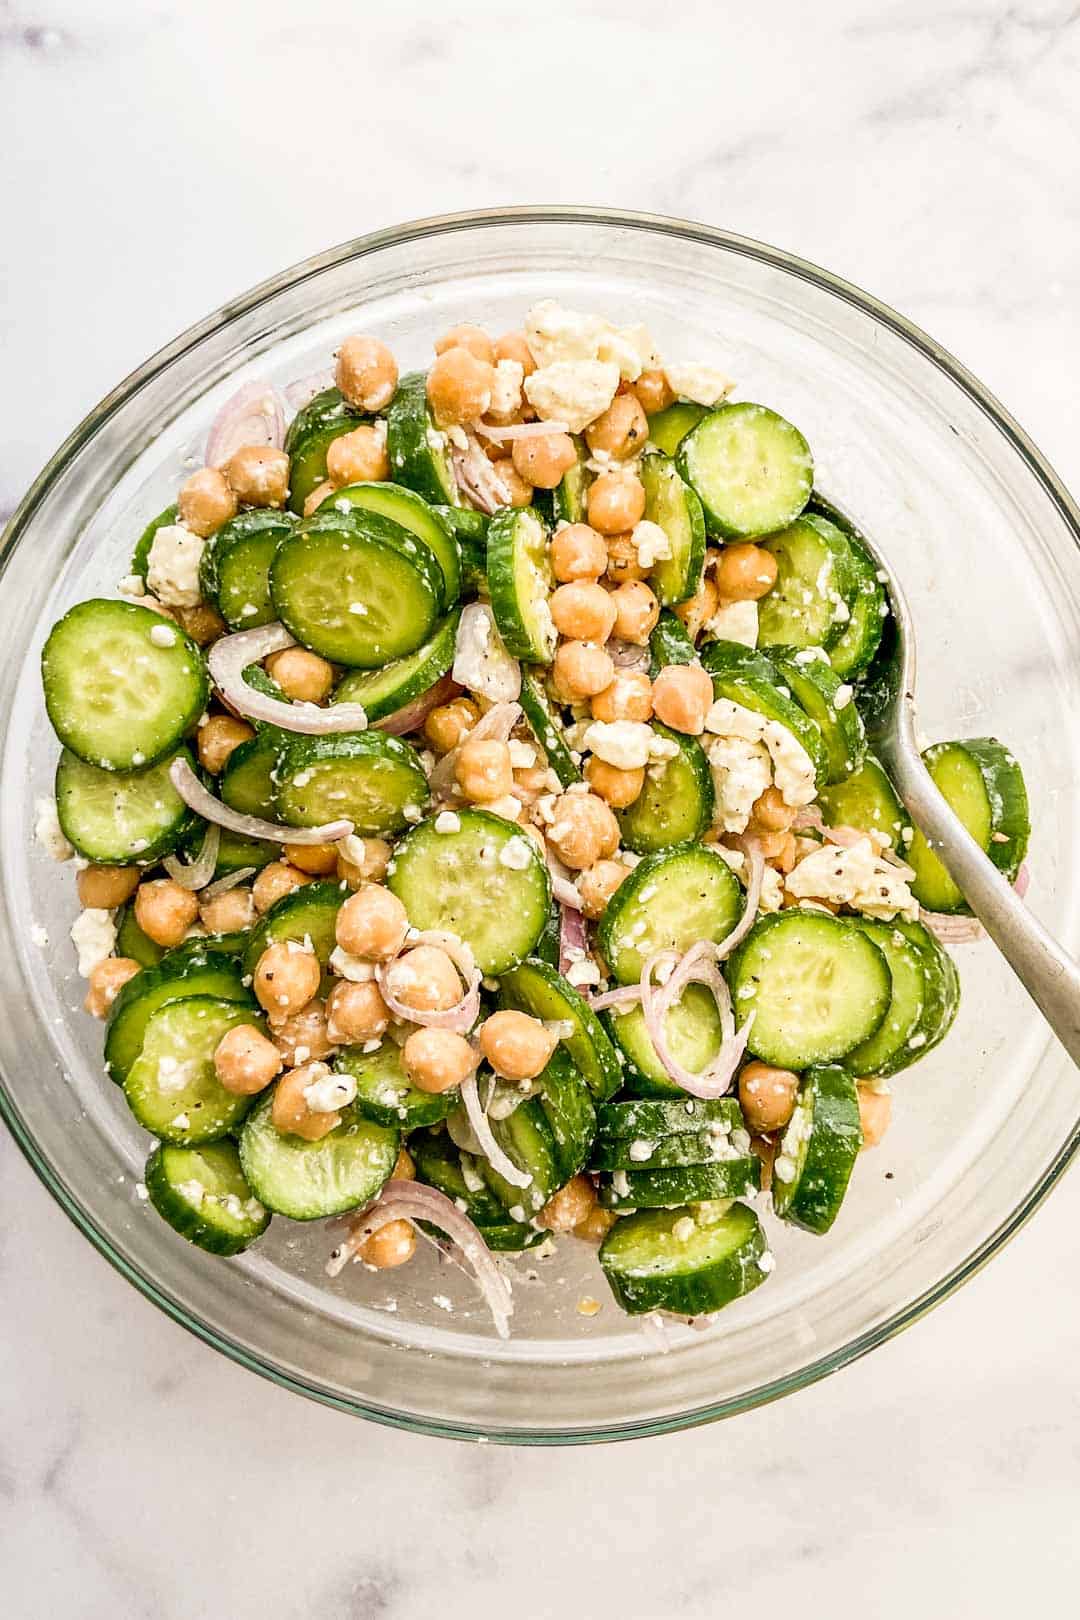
(161, 156)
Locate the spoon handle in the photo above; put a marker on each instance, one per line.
(1047, 971)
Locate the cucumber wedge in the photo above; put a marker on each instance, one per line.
(194, 971)
(676, 804)
(234, 570)
(419, 453)
(674, 1152)
(546, 727)
(818, 1150)
(383, 1091)
(655, 1261)
(536, 988)
(470, 530)
(132, 942)
(375, 780)
(694, 1036)
(311, 433)
(309, 1181)
(731, 1177)
(383, 691)
(983, 783)
(172, 1087)
(521, 582)
(818, 689)
(676, 509)
(203, 1194)
(412, 512)
(248, 781)
(670, 900)
(669, 427)
(527, 1140)
(751, 470)
(121, 816)
(810, 604)
(441, 1164)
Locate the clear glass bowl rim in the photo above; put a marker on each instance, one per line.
(359, 247)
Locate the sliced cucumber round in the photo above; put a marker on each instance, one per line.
(942, 986)
(676, 509)
(669, 644)
(248, 778)
(653, 1117)
(546, 727)
(132, 942)
(693, 1033)
(308, 913)
(412, 512)
(140, 557)
(418, 452)
(690, 1263)
(753, 680)
(121, 816)
(536, 988)
(309, 1181)
(751, 470)
(528, 1142)
(356, 587)
(311, 433)
(867, 800)
(484, 882)
(730, 1177)
(203, 1194)
(676, 804)
(817, 985)
(569, 498)
(374, 780)
(669, 901)
(188, 971)
(818, 689)
(114, 696)
(567, 1102)
(809, 605)
(384, 1093)
(172, 1087)
(925, 995)
(401, 682)
(981, 781)
(854, 647)
(441, 1164)
(669, 427)
(645, 1153)
(521, 582)
(470, 530)
(234, 570)
(818, 1150)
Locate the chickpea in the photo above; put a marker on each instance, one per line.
(484, 771)
(217, 739)
(372, 924)
(767, 1096)
(303, 1038)
(436, 1060)
(205, 502)
(518, 489)
(530, 781)
(745, 573)
(596, 1225)
(473, 338)
(449, 725)
(581, 669)
(764, 1148)
(286, 979)
(629, 697)
(616, 501)
(567, 1208)
(616, 787)
(106, 887)
(245, 1061)
(371, 869)
(784, 857)
(358, 457)
(164, 910)
(621, 430)
(584, 611)
(107, 979)
(318, 495)
(404, 1168)
(459, 387)
(770, 813)
(636, 612)
(425, 980)
(274, 882)
(698, 609)
(654, 392)
(682, 697)
(317, 860)
(577, 552)
(623, 562)
(543, 459)
(289, 1111)
(392, 1245)
(259, 475)
(228, 913)
(366, 373)
(875, 1113)
(597, 884)
(516, 1045)
(584, 830)
(302, 675)
(203, 623)
(772, 845)
(356, 1012)
(514, 346)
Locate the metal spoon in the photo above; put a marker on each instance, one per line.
(1048, 973)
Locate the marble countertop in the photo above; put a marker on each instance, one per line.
(164, 156)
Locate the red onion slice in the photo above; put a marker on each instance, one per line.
(750, 907)
(496, 724)
(197, 798)
(1022, 880)
(230, 656)
(626, 995)
(232, 880)
(476, 477)
(562, 884)
(493, 1153)
(413, 1201)
(572, 935)
(412, 715)
(303, 390)
(519, 430)
(196, 874)
(952, 930)
(255, 415)
(463, 1014)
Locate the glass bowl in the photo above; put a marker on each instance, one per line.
(985, 540)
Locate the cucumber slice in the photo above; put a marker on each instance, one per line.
(679, 895)
(676, 804)
(412, 512)
(568, 1107)
(547, 729)
(751, 470)
(510, 1237)
(441, 1164)
(375, 780)
(470, 529)
(418, 452)
(942, 985)
(397, 684)
(247, 781)
(652, 1117)
(311, 433)
(235, 852)
(172, 1087)
(817, 985)
(521, 583)
(809, 605)
(308, 913)
(685, 1184)
(309, 1181)
(383, 1091)
(818, 1150)
(654, 1262)
(694, 1036)
(818, 689)
(192, 971)
(140, 557)
(527, 1140)
(549, 946)
(674, 506)
(854, 648)
(132, 942)
(669, 427)
(356, 588)
(569, 498)
(867, 800)
(669, 644)
(203, 1194)
(485, 882)
(982, 782)
(752, 679)
(121, 816)
(674, 1152)
(536, 988)
(114, 697)
(234, 570)
(922, 1005)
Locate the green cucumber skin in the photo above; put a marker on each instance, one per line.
(259, 525)
(673, 505)
(643, 1074)
(208, 1114)
(383, 692)
(246, 782)
(140, 557)
(275, 1164)
(535, 987)
(785, 615)
(857, 644)
(676, 805)
(815, 686)
(414, 461)
(692, 460)
(568, 1107)
(569, 498)
(669, 427)
(679, 1150)
(625, 959)
(412, 512)
(310, 434)
(684, 1184)
(181, 973)
(943, 984)
(1009, 821)
(753, 680)
(517, 546)
(380, 755)
(308, 911)
(438, 1163)
(471, 530)
(182, 1216)
(133, 943)
(868, 801)
(547, 729)
(813, 1199)
(71, 773)
(412, 1110)
(660, 1117)
(527, 1140)
(659, 1284)
(669, 644)
(888, 1051)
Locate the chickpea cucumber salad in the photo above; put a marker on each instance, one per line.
(475, 830)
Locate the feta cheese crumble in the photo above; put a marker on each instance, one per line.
(700, 383)
(572, 391)
(173, 568)
(93, 934)
(625, 744)
(48, 831)
(329, 1091)
(856, 877)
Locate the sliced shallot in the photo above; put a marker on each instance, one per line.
(463, 1014)
(750, 905)
(197, 798)
(412, 715)
(255, 415)
(232, 880)
(476, 477)
(952, 930)
(230, 656)
(562, 884)
(303, 390)
(496, 725)
(481, 1127)
(626, 654)
(572, 936)
(196, 874)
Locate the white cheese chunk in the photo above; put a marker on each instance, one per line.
(626, 744)
(856, 877)
(48, 831)
(329, 1091)
(93, 934)
(572, 391)
(481, 662)
(173, 569)
(742, 770)
(735, 621)
(651, 544)
(703, 384)
(506, 392)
